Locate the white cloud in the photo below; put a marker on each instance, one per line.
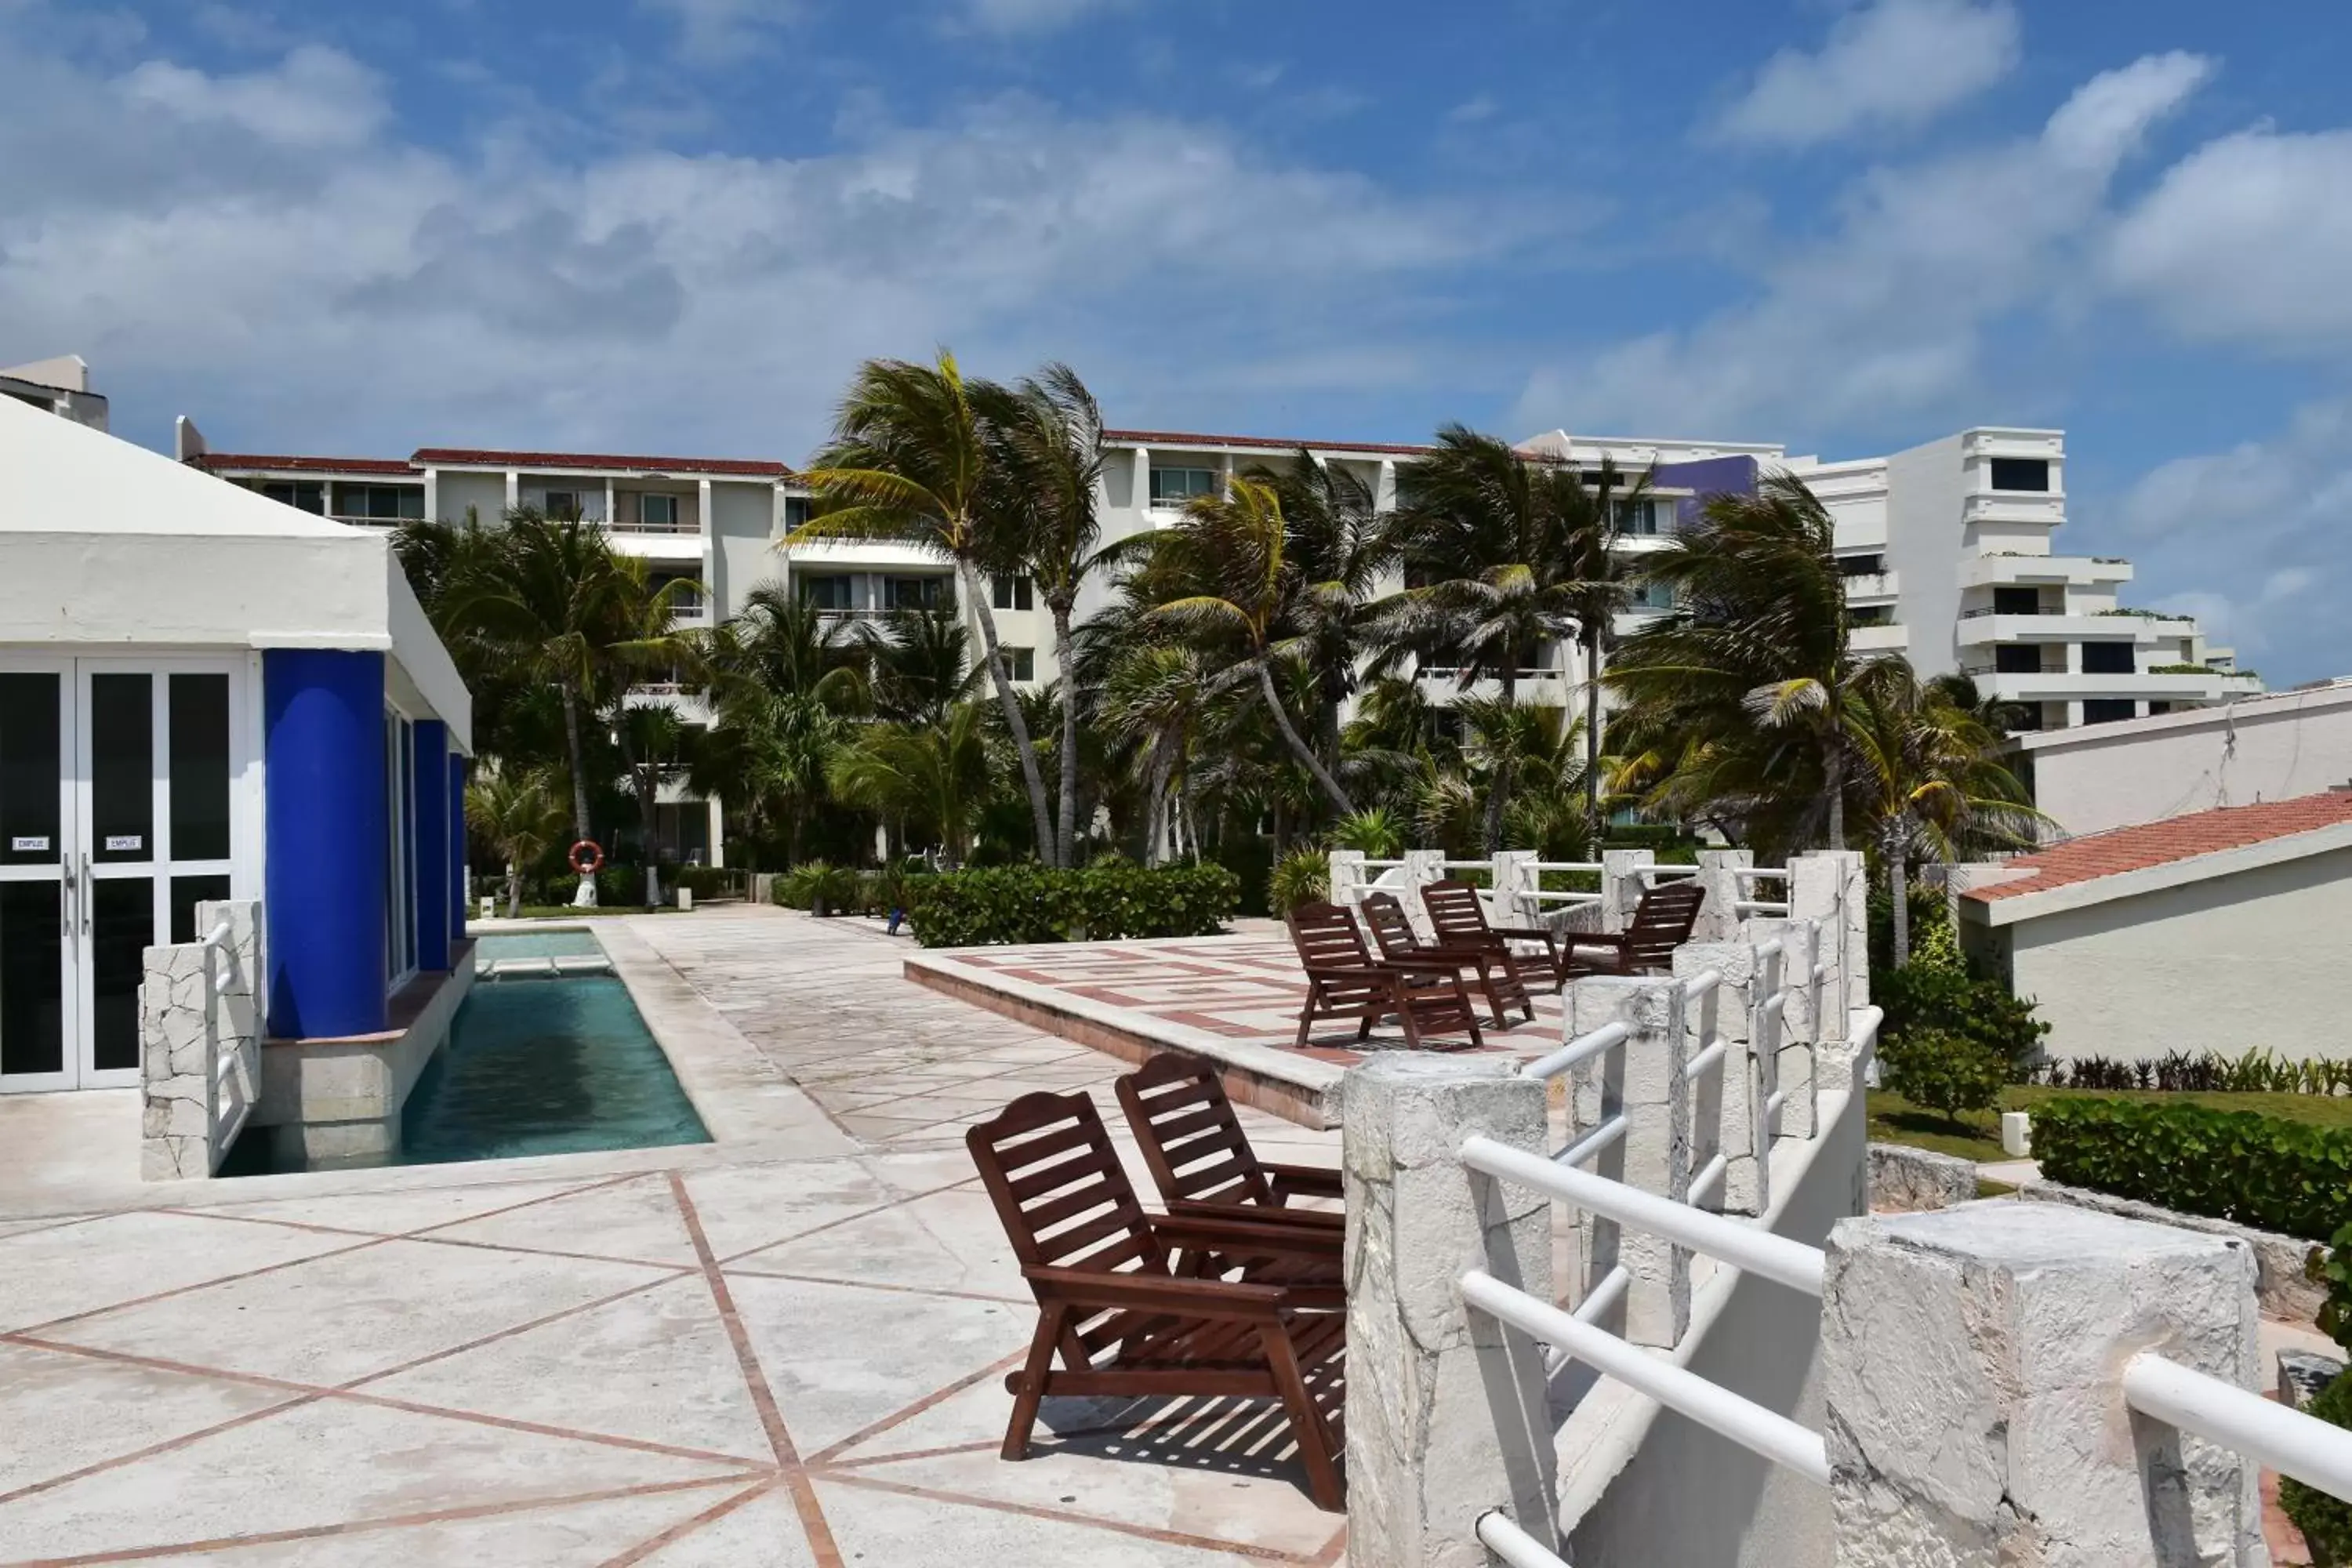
(1884, 316)
(320, 98)
(1895, 63)
(203, 243)
(1030, 15)
(2227, 520)
(2249, 237)
(712, 32)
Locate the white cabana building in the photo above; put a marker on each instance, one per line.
(207, 696)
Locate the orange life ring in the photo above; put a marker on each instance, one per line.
(587, 850)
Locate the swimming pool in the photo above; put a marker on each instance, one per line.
(560, 941)
(533, 1066)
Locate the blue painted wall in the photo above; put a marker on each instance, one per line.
(429, 790)
(1708, 477)
(326, 818)
(456, 845)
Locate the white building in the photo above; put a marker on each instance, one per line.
(59, 386)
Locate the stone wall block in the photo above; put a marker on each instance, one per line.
(1621, 886)
(1723, 1104)
(1973, 1360)
(1718, 915)
(1644, 1078)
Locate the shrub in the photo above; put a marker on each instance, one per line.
(1933, 993)
(2326, 1521)
(1945, 1071)
(1301, 876)
(819, 888)
(1109, 901)
(2260, 1171)
(1379, 833)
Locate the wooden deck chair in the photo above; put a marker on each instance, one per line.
(1124, 1322)
(1345, 980)
(1199, 1158)
(1457, 913)
(1661, 923)
(1400, 943)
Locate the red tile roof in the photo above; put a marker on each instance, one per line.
(2120, 849)
(284, 465)
(475, 457)
(1192, 438)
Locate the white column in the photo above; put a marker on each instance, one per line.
(1973, 1362)
(1384, 486)
(514, 490)
(432, 495)
(1447, 1416)
(709, 572)
(1725, 1103)
(1621, 889)
(611, 517)
(1643, 1079)
(718, 831)
(1143, 496)
(1718, 916)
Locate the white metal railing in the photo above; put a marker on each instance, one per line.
(1582, 1048)
(2278, 1438)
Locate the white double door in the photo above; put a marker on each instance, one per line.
(121, 808)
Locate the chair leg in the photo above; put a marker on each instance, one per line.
(1493, 993)
(1030, 1387)
(1469, 1014)
(1323, 1482)
(1306, 1014)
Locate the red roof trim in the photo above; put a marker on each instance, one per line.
(1192, 438)
(2150, 844)
(284, 465)
(480, 457)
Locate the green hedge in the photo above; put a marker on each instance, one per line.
(2262, 1170)
(1109, 901)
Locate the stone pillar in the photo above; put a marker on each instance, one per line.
(1786, 1033)
(1621, 889)
(1718, 917)
(1514, 873)
(1644, 1079)
(1726, 1104)
(1833, 886)
(175, 1056)
(1421, 867)
(1348, 877)
(1973, 1361)
(1447, 1415)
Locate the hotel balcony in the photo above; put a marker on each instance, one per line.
(2079, 686)
(1889, 638)
(1978, 629)
(2018, 571)
(1874, 588)
(1997, 506)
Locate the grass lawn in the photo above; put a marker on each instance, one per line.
(1977, 1135)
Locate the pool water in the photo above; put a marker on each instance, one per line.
(565, 941)
(533, 1066)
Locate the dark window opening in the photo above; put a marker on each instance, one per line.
(2017, 601)
(302, 495)
(2017, 658)
(1013, 594)
(2107, 709)
(2109, 659)
(1862, 565)
(2021, 474)
(1022, 661)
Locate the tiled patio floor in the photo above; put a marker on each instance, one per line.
(788, 1363)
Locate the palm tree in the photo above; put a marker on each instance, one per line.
(909, 459)
(1743, 702)
(562, 609)
(1341, 545)
(1518, 555)
(1226, 557)
(930, 777)
(1932, 778)
(781, 689)
(1152, 700)
(515, 812)
(918, 663)
(1045, 440)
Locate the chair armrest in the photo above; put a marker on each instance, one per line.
(1524, 933)
(1305, 1182)
(1285, 1238)
(1614, 942)
(1226, 1299)
(1308, 1219)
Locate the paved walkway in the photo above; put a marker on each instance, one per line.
(760, 1362)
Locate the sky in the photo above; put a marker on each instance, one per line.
(676, 226)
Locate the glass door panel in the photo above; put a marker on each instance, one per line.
(122, 928)
(36, 886)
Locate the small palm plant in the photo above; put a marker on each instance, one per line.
(516, 814)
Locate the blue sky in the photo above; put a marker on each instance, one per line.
(676, 224)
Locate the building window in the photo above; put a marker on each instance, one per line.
(1013, 594)
(2109, 659)
(2107, 709)
(302, 495)
(2017, 601)
(2017, 658)
(657, 511)
(1022, 661)
(1862, 565)
(1872, 616)
(918, 593)
(685, 593)
(1645, 519)
(1174, 487)
(2021, 474)
(829, 590)
(1653, 595)
(2154, 709)
(796, 512)
(561, 503)
(380, 504)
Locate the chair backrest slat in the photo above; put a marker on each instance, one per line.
(1327, 938)
(1191, 1138)
(1456, 912)
(1392, 928)
(1661, 923)
(1059, 1188)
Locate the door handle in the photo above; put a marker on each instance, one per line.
(86, 892)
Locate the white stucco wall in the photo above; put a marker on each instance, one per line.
(1923, 544)
(2250, 958)
(743, 520)
(2272, 748)
(453, 493)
